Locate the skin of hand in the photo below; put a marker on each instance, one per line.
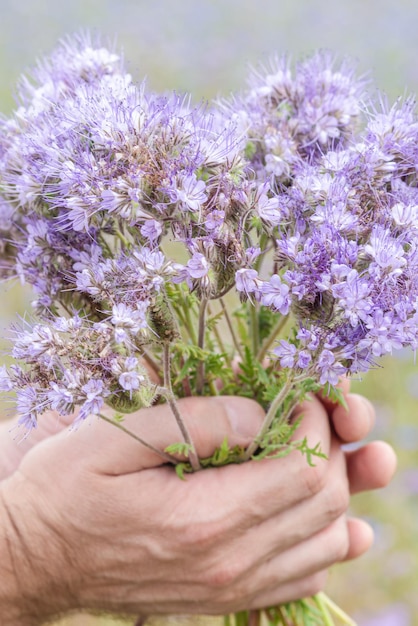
(92, 520)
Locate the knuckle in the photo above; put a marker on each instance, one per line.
(338, 500)
(315, 478)
(224, 575)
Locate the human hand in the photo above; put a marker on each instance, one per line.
(94, 521)
(14, 444)
(351, 425)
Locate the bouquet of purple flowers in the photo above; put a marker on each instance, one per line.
(264, 246)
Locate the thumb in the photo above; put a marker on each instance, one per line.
(108, 450)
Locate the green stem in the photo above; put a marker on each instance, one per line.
(319, 601)
(235, 341)
(259, 260)
(241, 618)
(122, 238)
(227, 620)
(213, 388)
(171, 399)
(219, 339)
(190, 325)
(282, 617)
(164, 455)
(254, 327)
(186, 321)
(324, 600)
(270, 415)
(200, 373)
(281, 322)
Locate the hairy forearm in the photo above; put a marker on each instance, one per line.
(13, 566)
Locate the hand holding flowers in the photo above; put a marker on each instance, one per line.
(226, 539)
(172, 239)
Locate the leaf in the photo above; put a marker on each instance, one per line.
(182, 468)
(181, 448)
(213, 320)
(304, 448)
(335, 395)
(266, 321)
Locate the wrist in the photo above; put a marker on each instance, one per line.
(29, 591)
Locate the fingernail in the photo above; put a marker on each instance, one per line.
(245, 416)
(368, 407)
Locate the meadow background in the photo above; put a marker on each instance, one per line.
(204, 47)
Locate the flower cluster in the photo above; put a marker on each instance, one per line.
(298, 117)
(346, 252)
(165, 241)
(115, 202)
(75, 363)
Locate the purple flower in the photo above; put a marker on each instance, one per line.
(275, 294)
(127, 320)
(93, 398)
(387, 253)
(28, 406)
(214, 220)
(151, 230)
(251, 254)
(304, 359)
(130, 379)
(197, 266)
(286, 352)
(268, 209)
(6, 383)
(61, 399)
(330, 370)
(354, 297)
(247, 281)
(191, 193)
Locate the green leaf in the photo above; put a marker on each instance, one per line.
(213, 320)
(181, 448)
(183, 468)
(266, 321)
(309, 452)
(335, 395)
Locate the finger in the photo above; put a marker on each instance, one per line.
(305, 587)
(306, 558)
(370, 467)
(311, 411)
(288, 528)
(209, 420)
(356, 421)
(264, 485)
(51, 423)
(360, 538)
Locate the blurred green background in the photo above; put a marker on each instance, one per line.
(205, 46)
